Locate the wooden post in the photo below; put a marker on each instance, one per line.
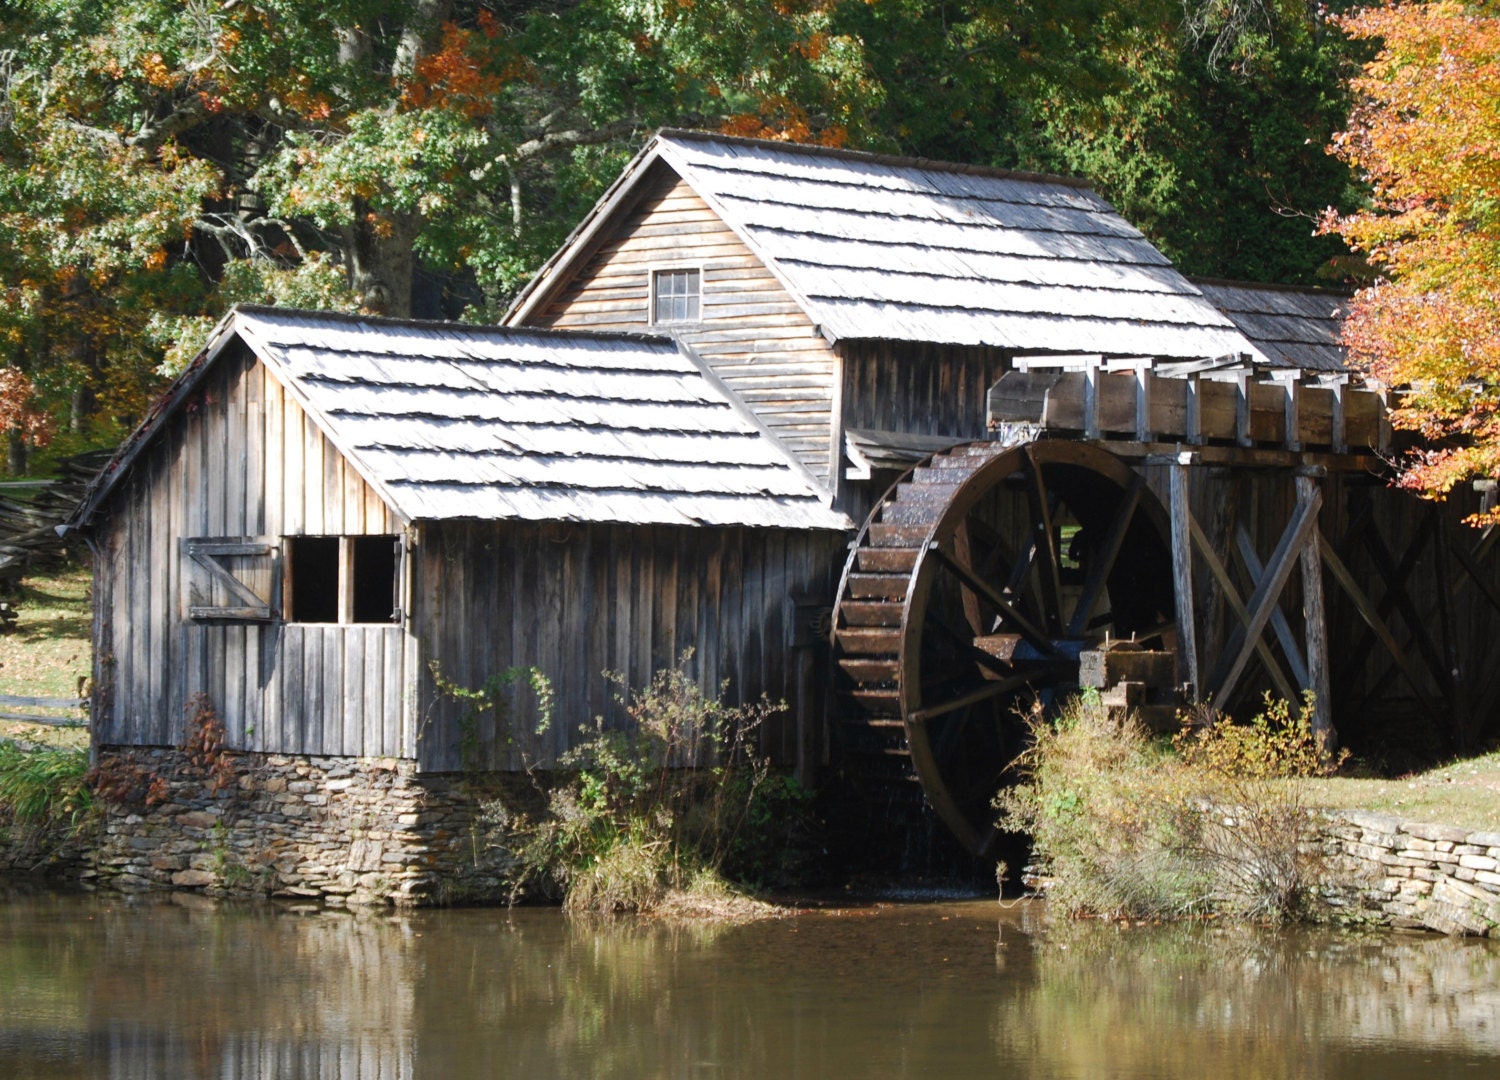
(1091, 374)
(1338, 385)
(1267, 590)
(1291, 401)
(1315, 620)
(1143, 379)
(1182, 578)
(1242, 408)
(1194, 418)
(1449, 627)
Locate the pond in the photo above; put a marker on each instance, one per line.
(186, 988)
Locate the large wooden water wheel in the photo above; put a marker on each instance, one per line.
(966, 600)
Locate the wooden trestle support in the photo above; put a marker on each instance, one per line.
(986, 573)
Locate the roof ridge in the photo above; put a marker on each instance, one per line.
(1272, 286)
(874, 158)
(454, 325)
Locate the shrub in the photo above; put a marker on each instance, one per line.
(1126, 825)
(632, 815)
(1276, 744)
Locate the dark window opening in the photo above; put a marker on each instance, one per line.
(675, 296)
(343, 579)
(313, 579)
(373, 581)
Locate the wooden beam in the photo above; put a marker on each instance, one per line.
(1476, 573)
(1025, 626)
(1104, 560)
(1193, 421)
(1143, 382)
(1253, 566)
(1182, 582)
(1339, 441)
(1267, 591)
(1397, 596)
(1050, 571)
(1449, 629)
(1091, 402)
(1315, 621)
(1242, 409)
(1372, 618)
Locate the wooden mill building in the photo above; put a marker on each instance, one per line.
(671, 442)
(324, 509)
(859, 303)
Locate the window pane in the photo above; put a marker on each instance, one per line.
(676, 296)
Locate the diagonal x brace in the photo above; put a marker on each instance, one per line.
(1231, 596)
(1299, 531)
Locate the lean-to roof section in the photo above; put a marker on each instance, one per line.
(886, 248)
(450, 421)
(1293, 327)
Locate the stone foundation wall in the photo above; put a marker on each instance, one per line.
(1411, 875)
(57, 852)
(337, 830)
(373, 831)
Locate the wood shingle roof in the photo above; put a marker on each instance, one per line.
(874, 247)
(1293, 327)
(454, 421)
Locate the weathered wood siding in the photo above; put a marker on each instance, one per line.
(240, 459)
(752, 332)
(919, 387)
(916, 388)
(577, 601)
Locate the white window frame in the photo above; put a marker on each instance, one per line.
(675, 268)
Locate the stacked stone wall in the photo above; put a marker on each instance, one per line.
(375, 831)
(333, 829)
(1411, 875)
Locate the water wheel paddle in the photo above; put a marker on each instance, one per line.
(967, 598)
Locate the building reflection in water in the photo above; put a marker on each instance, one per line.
(110, 988)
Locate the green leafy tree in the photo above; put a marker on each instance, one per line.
(162, 159)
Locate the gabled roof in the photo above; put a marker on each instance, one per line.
(453, 421)
(1292, 326)
(912, 250)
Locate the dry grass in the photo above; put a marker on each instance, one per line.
(49, 653)
(1465, 794)
(715, 905)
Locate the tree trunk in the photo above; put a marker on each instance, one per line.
(382, 265)
(15, 458)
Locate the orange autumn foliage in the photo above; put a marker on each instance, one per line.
(1426, 137)
(466, 73)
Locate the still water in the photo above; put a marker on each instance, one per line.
(187, 988)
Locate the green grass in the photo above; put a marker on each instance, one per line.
(44, 787)
(48, 653)
(1463, 793)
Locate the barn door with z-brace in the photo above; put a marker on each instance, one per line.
(233, 579)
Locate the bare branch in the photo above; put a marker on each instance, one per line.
(555, 141)
(184, 117)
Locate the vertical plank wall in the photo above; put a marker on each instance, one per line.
(579, 600)
(753, 333)
(239, 459)
(919, 387)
